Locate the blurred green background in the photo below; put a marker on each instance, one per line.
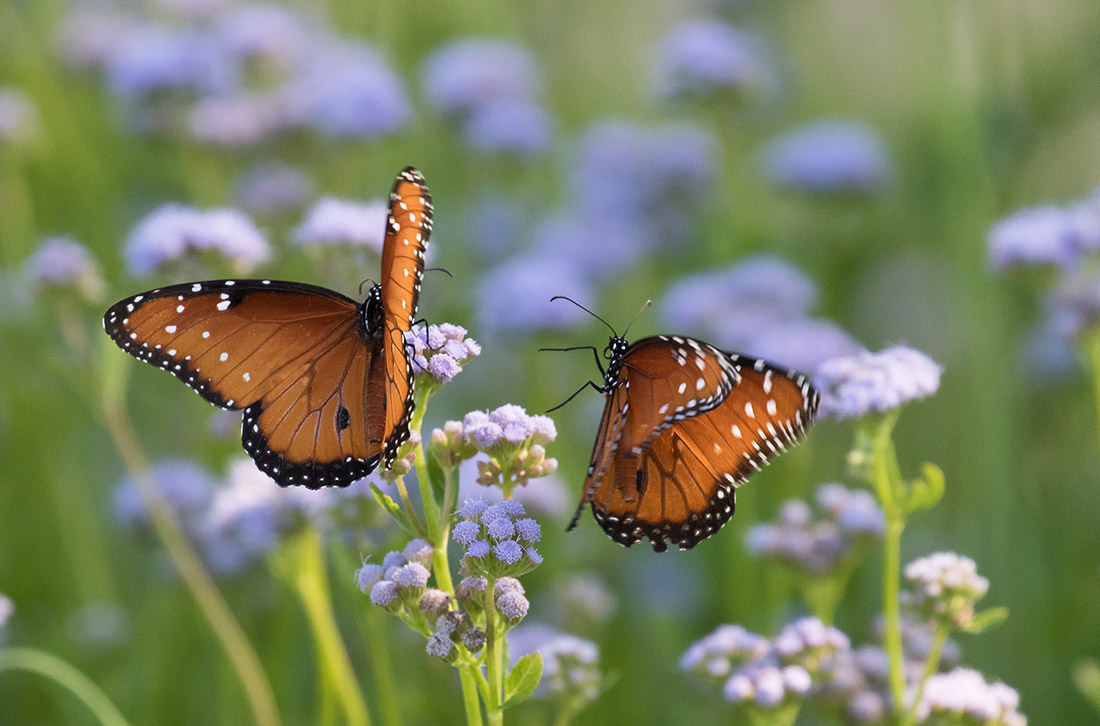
(985, 108)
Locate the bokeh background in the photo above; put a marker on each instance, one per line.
(857, 153)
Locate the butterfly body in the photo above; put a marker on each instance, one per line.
(684, 424)
(324, 381)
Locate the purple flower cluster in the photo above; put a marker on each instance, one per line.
(512, 439)
(761, 306)
(171, 231)
(337, 221)
(700, 58)
(498, 539)
(1073, 306)
(865, 383)
(269, 189)
(828, 157)
(233, 523)
(61, 262)
(439, 352)
(450, 629)
(945, 587)
(570, 665)
(805, 655)
(1047, 235)
(237, 75)
(18, 117)
(964, 696)
(490, 87)
(852, 519)
(401, 580)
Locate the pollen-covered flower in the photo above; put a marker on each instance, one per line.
(944, 586)
(867, 382)
(850, 518)
(964, 696)
(496, 538)
(339, 221)
(440, 351)
(831, 157)
(169, 232)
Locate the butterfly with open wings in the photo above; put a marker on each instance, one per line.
(325, 383)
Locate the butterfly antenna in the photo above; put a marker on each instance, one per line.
(364, 282)
(582, 307)
(645, 305)
(444, 270)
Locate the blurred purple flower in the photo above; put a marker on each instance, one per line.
(337, 221)
(18, 117)
(90, 37)
(167, 233)
(570, 664)
(515, 297)
(465, 75)
(186, 486)
(802, 344)
(266, 32)
(700, 57)
(238, 120)
(867, 382)
(63, 262)
(964, 696)
(346, 91)
(598, 247)
(1073, 307)
(509, 126)
(944, 586)
(272, 189)
(1037, 236)
(367, 576)
(738, 304)
(831, 157)
(154, 59)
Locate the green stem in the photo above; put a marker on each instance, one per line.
(399, 482)
(311, 581)
(50, 666)
(470, 696)
(886, 479)
(378, 650)
(437, 524)
(493, 661)
(247, 664)
(1092, 351)
(931, 665)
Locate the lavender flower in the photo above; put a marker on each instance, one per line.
(62, 262)
(272, 189)
(418, 550)
(461, 77)
(586, 597)
(385, 594)
(440, 351)
(187, 487)
(509, 598)
(736, 305)
(166, 234)
(434, 601)
(570, 665)
(1047, 235)
(267, 33)
(803, 344)
(819, 547)
(875, 382)
(832, 157)
(517, 127)
(7, 609)
(346, 91)
(727, 648)
(412, 576)
(238, 120)
(367, 576)
(702, 57)
(153, 59)
(965, 694)
(89, 37)
(496, 524)
(945, 586)
(247, 516)
(515, 297)
(18, 117)
(337, 221)
(765, 684)
(1073, 307)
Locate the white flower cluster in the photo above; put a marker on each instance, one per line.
(945, 586)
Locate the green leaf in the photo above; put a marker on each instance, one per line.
(394, 509)
(524, 678)
(987, 619)
(926, 492)
(436, 479)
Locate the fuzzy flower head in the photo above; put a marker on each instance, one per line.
(439, 352)
(865, 383)
(767, 685)
(338, 221)
(60, 263)
(944, 586)
(466, 75)
(1048, 235)
(512, 439)
(705, 57)
(499, 539)
(168, 233)
(810, 644)
(829, 157)
(400, 583)
(570, 669)
(964, 696)
(451, 629)
(1073, 307)
(850, 519)
(720, 653)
